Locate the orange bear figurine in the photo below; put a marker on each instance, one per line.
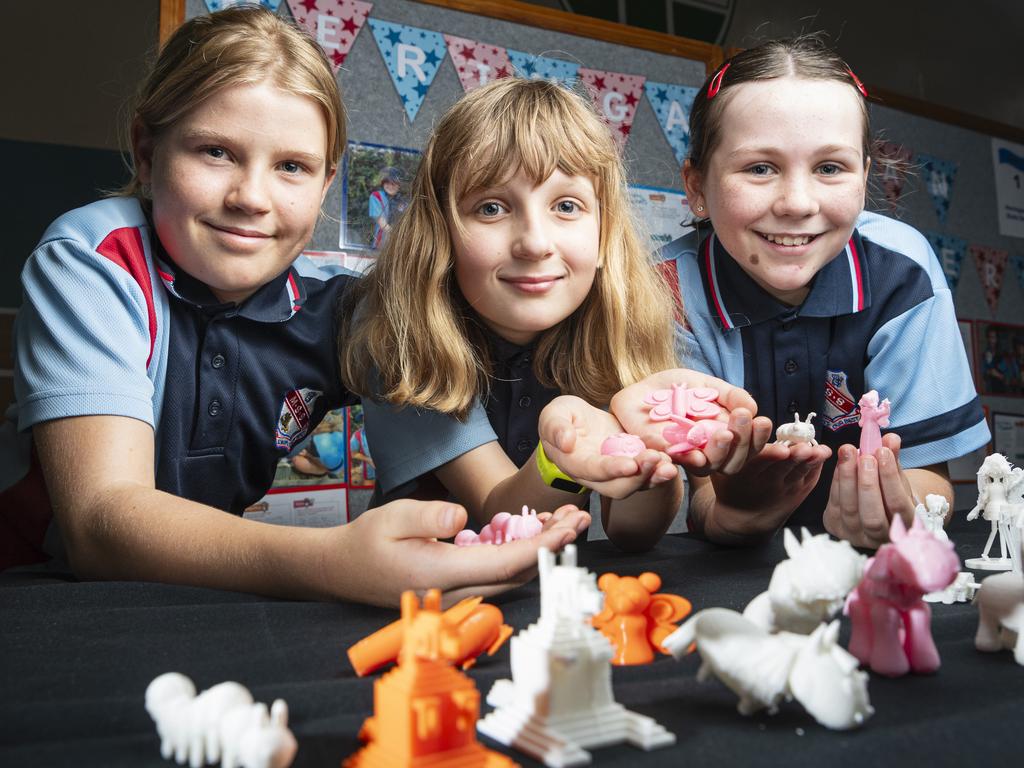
(480, 627)
(424, 710)
(635, 619)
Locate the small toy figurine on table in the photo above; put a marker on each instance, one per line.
(424, 710)
(503, 527)
(763, 669)
(891, 623)
(692, 413)
(1001, 614)
(796, 431)
(634, 619)
(559, 699)
(808, 588)
(999, 486)
(479, 626)
(873, 415)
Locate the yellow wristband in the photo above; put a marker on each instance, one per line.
(553, 476)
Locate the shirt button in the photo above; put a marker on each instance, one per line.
(218, 361)
(790, 366)
(524, 401)
(523, 446)
(793, 406)
(214, 408)
(788, 325)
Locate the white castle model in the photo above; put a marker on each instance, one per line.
(559, 699)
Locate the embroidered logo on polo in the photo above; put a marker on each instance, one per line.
(840, 407)
(296, 415)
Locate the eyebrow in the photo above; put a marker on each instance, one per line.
(199, 134)
(767, 150)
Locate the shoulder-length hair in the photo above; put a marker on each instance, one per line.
(407, 334)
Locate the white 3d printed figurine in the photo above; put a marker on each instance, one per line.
(808, 588)
(999, 502)
(1001, 614)
(763, 669)
(933, 514)
(222, 724)
(796, 431)
(559, 699)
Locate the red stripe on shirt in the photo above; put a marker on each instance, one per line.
(711, 284)
(858, 278)
(124, 247)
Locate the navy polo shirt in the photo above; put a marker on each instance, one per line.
(245, 383)
(878, 316)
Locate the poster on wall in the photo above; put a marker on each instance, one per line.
(374, 193)
(1008, 163)
(663, 214)
(1000, 358)
(361, 471)
(1008, 436)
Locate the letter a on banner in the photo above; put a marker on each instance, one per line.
(334, 24)
(615, 96)
(672, 103)
(412, 56)
(477, 63)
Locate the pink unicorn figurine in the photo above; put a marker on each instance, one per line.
(503, 527)
(891, 623)
(873, 415)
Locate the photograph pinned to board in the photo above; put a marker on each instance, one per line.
(361, 471)
(374, 193)
(999, 350)
(663, 214)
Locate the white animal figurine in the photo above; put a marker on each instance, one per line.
(1000, 604)
(763, 669)
(220, 721)
(961, 590)
(808, 588)
(933, 514)
(559, 700)
(796, 431)
(999, 486)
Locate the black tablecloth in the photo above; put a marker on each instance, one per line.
(75, 660)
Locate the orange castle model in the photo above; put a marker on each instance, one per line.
(424, 710)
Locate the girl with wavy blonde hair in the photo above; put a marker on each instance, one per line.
(515, 276)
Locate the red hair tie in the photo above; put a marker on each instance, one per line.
(716, 82)
(858, 83)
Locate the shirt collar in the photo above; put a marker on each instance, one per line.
(839, 288)
(275, 302)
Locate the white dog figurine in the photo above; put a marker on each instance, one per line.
(808, 588)
(763, 669)
(796, 431)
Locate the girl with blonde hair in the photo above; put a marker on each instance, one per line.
(172, 348)
(513, 300)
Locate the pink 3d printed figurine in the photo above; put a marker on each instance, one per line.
(622, 444)
(692, 413)
(891, 623)
(503, 527)
(873, 415)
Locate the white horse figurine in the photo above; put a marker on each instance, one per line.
(763, 669)
(808, 588)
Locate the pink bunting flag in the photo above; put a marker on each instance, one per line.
(477, 63)
(895, 159)
(334, 24)
(991, 264)
(616, 97)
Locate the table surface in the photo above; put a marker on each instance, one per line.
(75, 660)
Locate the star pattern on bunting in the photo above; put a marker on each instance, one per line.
(337, 35)
(477, 63)
(412, 56)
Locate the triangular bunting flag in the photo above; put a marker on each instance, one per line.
(991, 263)
(672, 105)
(543, 68)
(615, 97)
(938, 177)
(412, 56)
(950, 251)
(220, 5)
(894, 161)
(477, 63)
(334, 24)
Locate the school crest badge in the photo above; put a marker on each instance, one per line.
(296, 416)
(840, 406)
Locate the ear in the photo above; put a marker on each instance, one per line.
(143, 145)
(327, 183)
(790, 543)
(897, 530)
(650, 581)
(805, 535)
(607, 581)
(693, 183)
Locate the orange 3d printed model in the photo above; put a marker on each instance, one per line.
(479, 627)
(424, 710)
(634, 619)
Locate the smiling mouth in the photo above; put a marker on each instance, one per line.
(788, 240)
(239, 231)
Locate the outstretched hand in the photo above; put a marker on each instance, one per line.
(573, 431)
(727, 451)
(393, 548)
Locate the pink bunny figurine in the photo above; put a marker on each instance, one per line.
(504, 527)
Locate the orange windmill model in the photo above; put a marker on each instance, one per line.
(424, 710)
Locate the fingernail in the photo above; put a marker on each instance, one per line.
(448, 518)
(742, 421)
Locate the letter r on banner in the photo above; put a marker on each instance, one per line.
(411, 56)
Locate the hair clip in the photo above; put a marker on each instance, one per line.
(716, 81)
(858, 83)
